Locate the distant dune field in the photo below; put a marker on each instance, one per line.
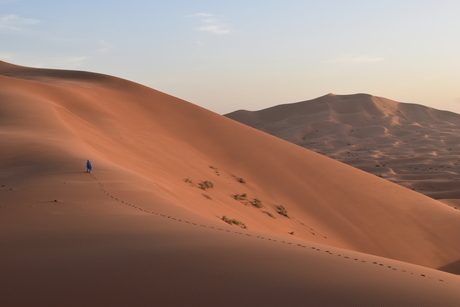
(415, 146)
(146, 227)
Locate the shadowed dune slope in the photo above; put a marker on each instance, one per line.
(139, 228)
(412, 145)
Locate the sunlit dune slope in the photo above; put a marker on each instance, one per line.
(52, 121)
(409, 144)
(138, 230)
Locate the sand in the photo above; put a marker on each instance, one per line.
(409, 144)
(139, 231)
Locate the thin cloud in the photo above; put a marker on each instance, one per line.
(65, 62)
(365, 59)
(216, 29)
(201, 15)
(212, 24)
(77, 59)
(62, 62)
(358, 59)
(6, 56)
(16, 23)
(104, 47)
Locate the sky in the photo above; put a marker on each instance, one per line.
(252, 54)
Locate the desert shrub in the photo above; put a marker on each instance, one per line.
(282, 210)
(240, 196)
(233, 222)
(215, 170)
(188, 180)
(269, 214)
(257, 203)
(207, 196)
(205, 185)
(241, 180)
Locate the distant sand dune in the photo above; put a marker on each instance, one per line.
(374, 134)
(140, 231)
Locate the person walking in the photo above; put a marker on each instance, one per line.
(89, 166)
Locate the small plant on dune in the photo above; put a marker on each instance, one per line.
(188, 180)
(205, 185)
(207, 196)
(239, 179)
(268, 213)
(240, 196)
(281, 210)
(257, 203)
(234, 222)
(215, 170)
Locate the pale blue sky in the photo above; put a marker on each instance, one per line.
(228, 55)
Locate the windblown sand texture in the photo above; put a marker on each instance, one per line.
(415, 146)
(139, 231)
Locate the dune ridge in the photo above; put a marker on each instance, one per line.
(125, 226)
(409, 144)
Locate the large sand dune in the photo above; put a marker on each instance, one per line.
(136, 233)
(409, 144)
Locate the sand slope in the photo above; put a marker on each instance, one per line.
(135, 233)
(409, 144)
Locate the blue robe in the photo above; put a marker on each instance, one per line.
(89, 167)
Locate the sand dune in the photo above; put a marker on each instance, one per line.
(139, 231)
(412, 145)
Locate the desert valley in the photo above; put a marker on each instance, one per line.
(186, 207)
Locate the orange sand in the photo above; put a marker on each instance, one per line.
(134, 233)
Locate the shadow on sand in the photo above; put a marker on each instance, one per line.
(453, 267)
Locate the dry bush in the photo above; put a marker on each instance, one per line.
(268, 213)
(282, 210)
(207, 196)
(257, 203)
(205, 185)
(234, 222)
(240, 196)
